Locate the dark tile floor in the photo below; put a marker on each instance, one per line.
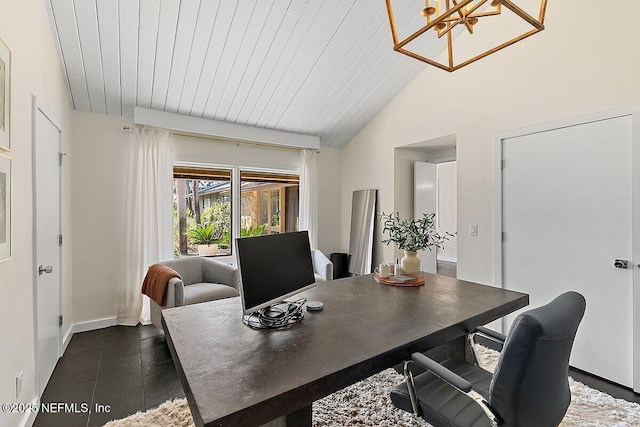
(127, 368)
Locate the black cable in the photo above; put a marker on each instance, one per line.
(277, 316)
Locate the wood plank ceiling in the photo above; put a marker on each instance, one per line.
(319, 67)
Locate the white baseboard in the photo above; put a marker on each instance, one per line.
(84, 327)
(93, 324)
(31, 417)
(66, 339)
(87, 326)
(448, 259)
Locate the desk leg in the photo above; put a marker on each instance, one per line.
(299, 418)
(455, 349)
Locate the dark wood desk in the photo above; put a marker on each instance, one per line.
(236, 376)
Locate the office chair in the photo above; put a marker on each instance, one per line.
(529, 387)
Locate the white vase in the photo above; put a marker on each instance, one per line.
(208, 250)
(410, 263)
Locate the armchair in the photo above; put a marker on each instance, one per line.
(322, 267)
(203, 279)
(529, 387)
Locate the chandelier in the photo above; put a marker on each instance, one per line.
(444, 16)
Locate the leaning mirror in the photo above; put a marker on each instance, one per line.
(363, 209)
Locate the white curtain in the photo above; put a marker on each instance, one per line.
(148, 218)
(309, 195)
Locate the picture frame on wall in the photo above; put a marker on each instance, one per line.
(5, 97)
(5, 208)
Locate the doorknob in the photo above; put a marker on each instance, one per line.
(621, 263)
(47, 269)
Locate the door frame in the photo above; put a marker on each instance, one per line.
(634, 112)
(38, 106)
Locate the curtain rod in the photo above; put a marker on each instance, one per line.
(231, 141)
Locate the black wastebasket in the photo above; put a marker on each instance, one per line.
(340, 262)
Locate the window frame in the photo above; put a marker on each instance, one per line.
(236, 193)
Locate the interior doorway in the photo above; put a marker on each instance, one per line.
(447, 216)
(47, 138)
(568, 220)
(425, 181)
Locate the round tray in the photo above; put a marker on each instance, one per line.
(419, 281)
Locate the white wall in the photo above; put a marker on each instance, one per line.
(569, 69)
(99, 172)
(329, 193)
(35, 70)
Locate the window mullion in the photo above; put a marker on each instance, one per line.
(236, 204)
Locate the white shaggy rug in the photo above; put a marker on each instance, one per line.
(367, 404)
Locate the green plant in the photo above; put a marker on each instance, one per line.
(205, 234)
(412, 234)
(244, 232)
(219, 213)
(252, 232)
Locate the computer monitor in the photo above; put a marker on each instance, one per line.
(272, 268)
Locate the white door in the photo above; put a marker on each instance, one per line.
(567, 216)
(46, 142)
(424, 201)
(447, 209)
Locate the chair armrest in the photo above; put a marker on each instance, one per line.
(322, 265)
(443, 373)
(490, 334)
(449, 377)
(218, 272)
(485, 333)
(175, 293)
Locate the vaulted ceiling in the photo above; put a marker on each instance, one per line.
(318, 67)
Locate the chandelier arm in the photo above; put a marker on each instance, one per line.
(469, 27)
(450, 48)
(422, 58)
(462, 17)
(543, 9)
(449, 28)
(481, 14)
(392, 22)
(521, 13)
(455, 3)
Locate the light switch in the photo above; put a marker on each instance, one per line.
(473, 229)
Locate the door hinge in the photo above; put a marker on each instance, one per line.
(504, 236)
(59, 239)
(502, 164)
(60, 320)
(60, 155)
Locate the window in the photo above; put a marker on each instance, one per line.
(204, 213)
(269, 203)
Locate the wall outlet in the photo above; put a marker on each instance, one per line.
(473, 229)
(19, 385)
